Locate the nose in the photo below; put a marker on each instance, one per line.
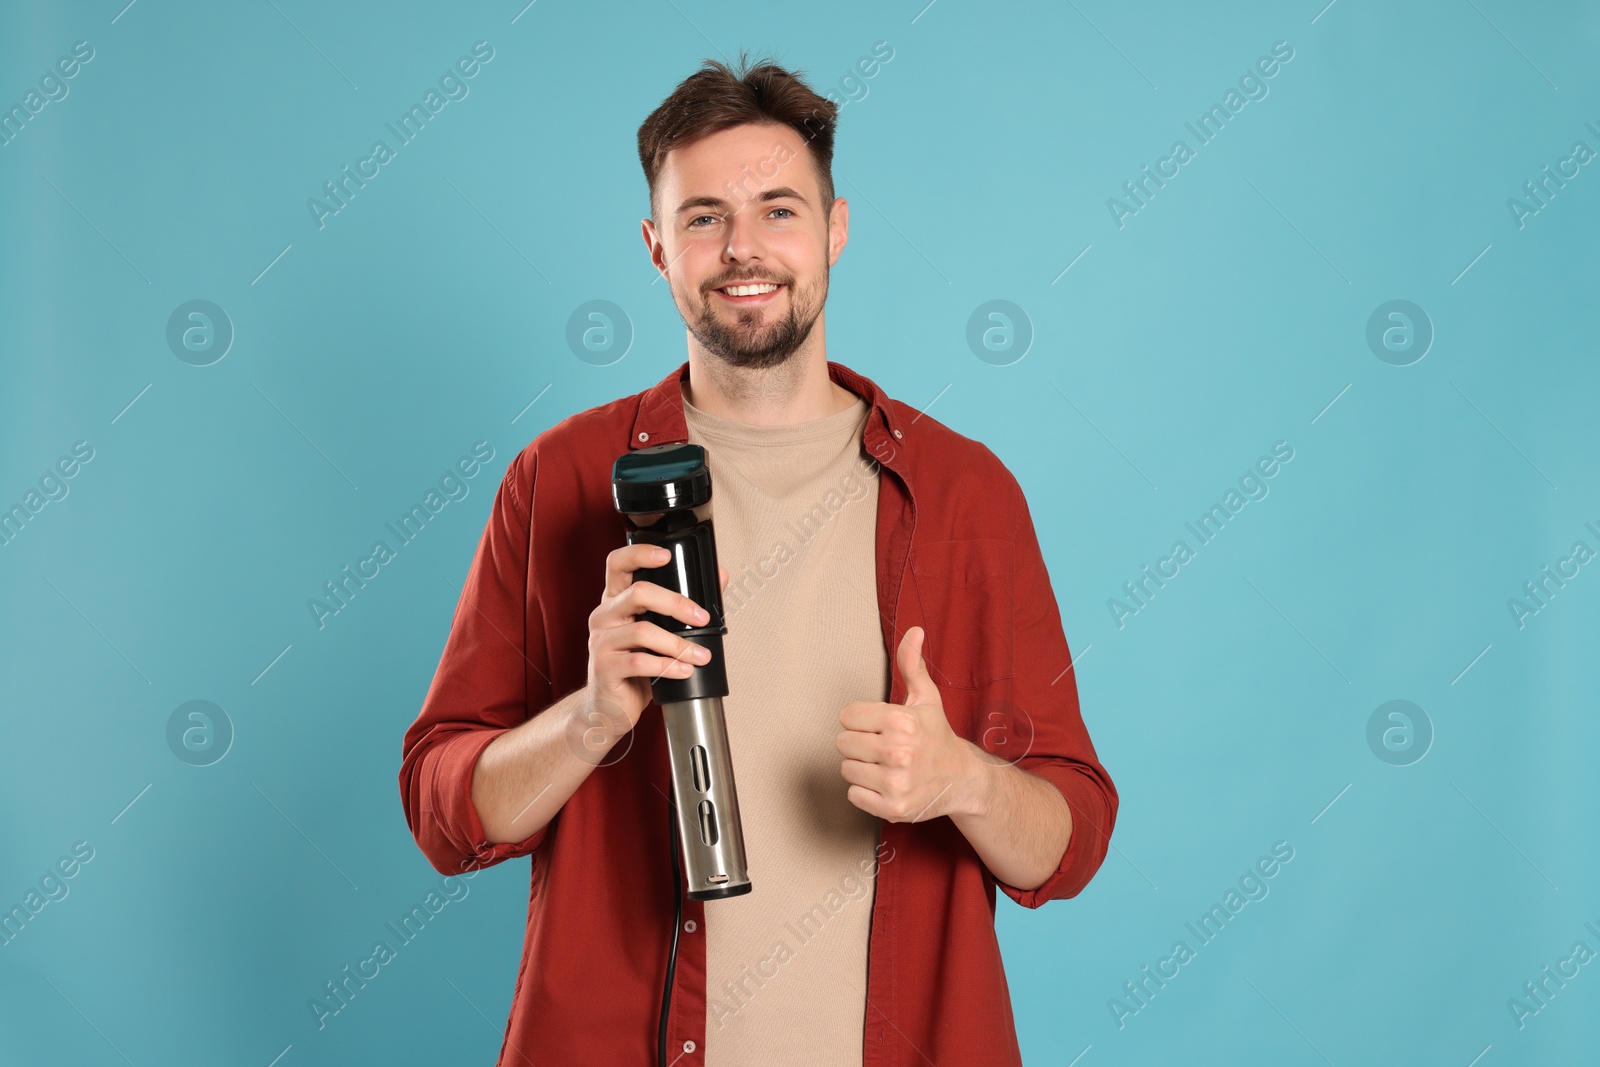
(744, 238)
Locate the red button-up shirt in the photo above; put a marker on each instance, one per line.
(956, 553)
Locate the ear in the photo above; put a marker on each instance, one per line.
(652, 241)
(838, 229)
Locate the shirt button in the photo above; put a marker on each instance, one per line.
(897, 434)
(690, 927)
(688, 1046)
(643, 436)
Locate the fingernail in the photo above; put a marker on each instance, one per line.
(702, 654)
(700, 615)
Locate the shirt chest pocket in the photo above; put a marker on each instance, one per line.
(968, 608)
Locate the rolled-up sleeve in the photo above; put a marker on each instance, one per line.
(492, 675)
(1049, 723)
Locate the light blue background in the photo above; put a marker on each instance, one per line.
(1228, 314)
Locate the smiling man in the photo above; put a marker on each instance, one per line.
(884, 803)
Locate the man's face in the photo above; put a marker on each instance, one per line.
(744, 206)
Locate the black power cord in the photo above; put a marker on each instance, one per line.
(677, 925)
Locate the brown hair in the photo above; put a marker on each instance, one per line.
(717, 97)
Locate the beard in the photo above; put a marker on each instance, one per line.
(751, 340)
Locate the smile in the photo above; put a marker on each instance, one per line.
(753, 293)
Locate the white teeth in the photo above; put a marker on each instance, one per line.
(749, 290)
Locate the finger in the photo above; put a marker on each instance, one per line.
(722, 576)
(865, 715)
(631, 663)
(867, 775)
(868, 801)
(854, 744)
(648, 596)
(644, 596)
(648, 637)
(622, 562)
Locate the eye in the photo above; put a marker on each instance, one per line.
(696, 220)
(778, 209)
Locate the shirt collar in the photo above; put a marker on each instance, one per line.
(660, 419)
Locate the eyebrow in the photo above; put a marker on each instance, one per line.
(781, 192)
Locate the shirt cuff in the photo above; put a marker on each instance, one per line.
(1092, 817)
(461, 817)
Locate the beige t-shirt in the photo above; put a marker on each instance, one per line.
(795, 512)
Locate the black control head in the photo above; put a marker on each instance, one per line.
(661, 478)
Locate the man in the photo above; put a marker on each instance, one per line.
(882, 804)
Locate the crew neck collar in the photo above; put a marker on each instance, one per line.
(725, 429)
(660, 419)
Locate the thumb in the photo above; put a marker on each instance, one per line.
(914, 668)
(722, 574)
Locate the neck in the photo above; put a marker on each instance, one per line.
(798, 390)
